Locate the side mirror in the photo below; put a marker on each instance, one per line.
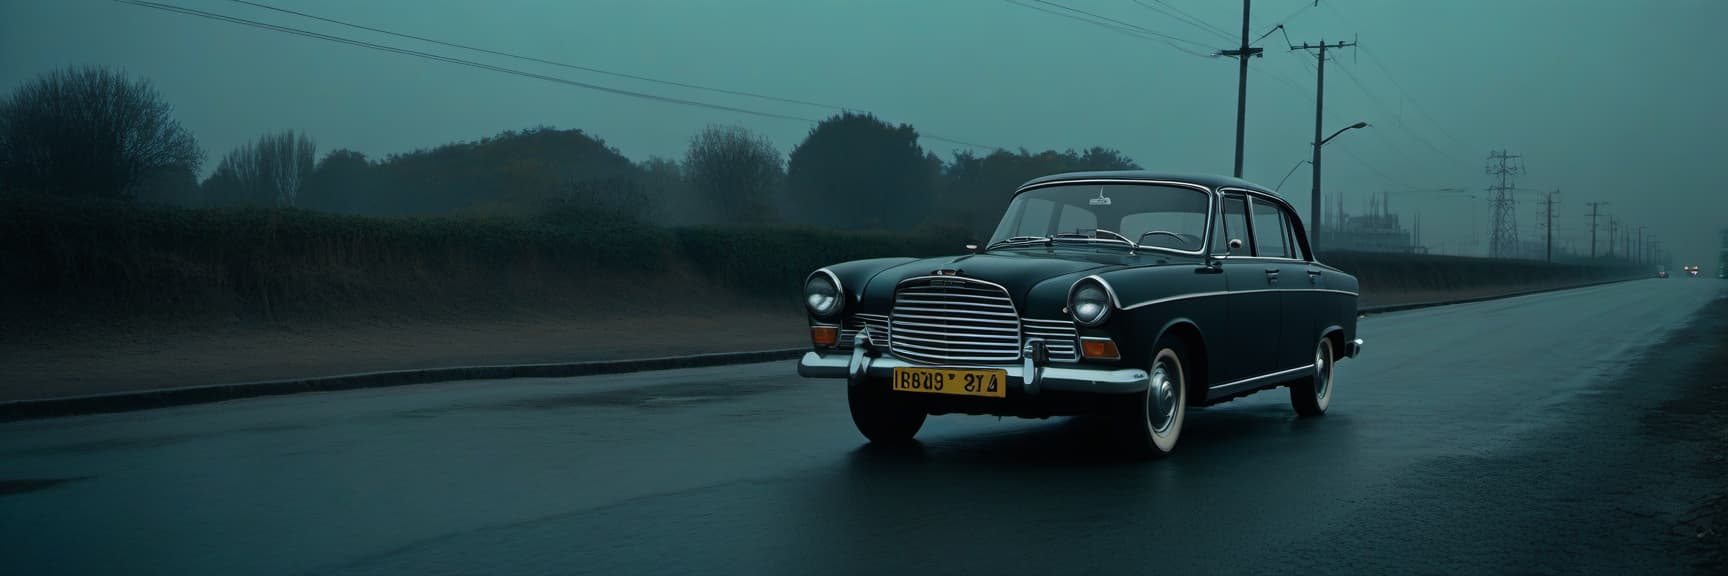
(1234, 244)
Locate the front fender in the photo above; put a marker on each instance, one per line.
(855, 276)
(1153, 301)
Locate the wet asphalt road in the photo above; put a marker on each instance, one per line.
(1490, 437)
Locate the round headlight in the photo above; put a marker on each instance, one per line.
(1089, 303)
(822, 295)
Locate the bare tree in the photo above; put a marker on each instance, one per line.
(269, 172)
(90, 131)
(736, 172)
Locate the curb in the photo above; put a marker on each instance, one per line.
(1371, 310)
(167, 397)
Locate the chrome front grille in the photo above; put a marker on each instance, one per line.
(1060, 337)
(877, 323)
(953, 320)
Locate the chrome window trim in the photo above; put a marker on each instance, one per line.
(1247, 218)
(1211, 294)
(1283, 217)
(1272, 258)
(1289, 210)
(1206, 229)
(839, 296)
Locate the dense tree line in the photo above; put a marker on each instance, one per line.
(93, 131)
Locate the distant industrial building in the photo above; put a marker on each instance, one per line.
(1378, 230)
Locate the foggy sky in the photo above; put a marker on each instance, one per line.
(1608, 100)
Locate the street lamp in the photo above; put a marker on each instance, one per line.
(1341, 131)
(1314, 230)
(1293, 168)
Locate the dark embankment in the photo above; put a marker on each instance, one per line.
(73, 263)
(1387, 278)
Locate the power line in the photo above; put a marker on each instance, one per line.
(501, 69)
(1108, 26)
(1286, 19)
(1387, 71)
(1125, 24)
(1348, 151)
(1385, 140)
(1286, 80)
(1114, 24)
(1388, 109)
(1423, 110)
(1184, 17)
(542, 60)
(1307, 93)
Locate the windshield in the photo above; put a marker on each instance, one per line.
(1152, 215)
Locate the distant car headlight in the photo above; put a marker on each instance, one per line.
(822, 294)
(1089, 302)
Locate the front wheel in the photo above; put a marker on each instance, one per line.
(1312, 395)
(879, 418)
(1150, 421)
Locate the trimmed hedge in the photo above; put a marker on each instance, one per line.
(1381, 272)
(72, 259)
(80, 260)
(773, 261)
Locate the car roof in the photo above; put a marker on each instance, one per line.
(1213, 181)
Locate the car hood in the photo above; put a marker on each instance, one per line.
(1018, 271)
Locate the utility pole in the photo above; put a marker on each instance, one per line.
(1593, 213)
(1319, 117)
(1638, 255)
(1549, 213)
(1242, 54)
(1626, 240)
(1613, 227)
(1503, 243)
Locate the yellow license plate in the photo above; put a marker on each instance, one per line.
(988, 383)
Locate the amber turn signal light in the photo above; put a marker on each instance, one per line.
(1099, 349)
(824, 335)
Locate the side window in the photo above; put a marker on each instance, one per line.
(1232, 223)
(1292, 236)
(1271, 236)
(1075, 219)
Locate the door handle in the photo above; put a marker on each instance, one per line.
(1315, 273)
(1272, 275)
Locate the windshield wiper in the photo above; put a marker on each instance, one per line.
(1018, 240)
(1095, 236)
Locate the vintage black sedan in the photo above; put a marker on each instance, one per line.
(1134, 294)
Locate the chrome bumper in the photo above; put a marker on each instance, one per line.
(859, 367)
(1353, 348)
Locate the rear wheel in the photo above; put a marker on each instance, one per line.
(879, 417)
(1312, 395)
(1150, 421)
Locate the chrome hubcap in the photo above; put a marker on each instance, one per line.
(1322, 371)
(1162, 399)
